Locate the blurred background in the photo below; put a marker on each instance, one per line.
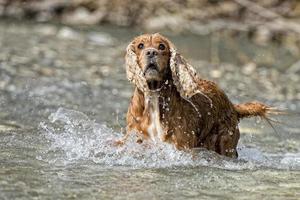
(250, 48)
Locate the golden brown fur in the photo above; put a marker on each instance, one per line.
(172, 104)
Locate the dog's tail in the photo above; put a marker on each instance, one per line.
(252, 109)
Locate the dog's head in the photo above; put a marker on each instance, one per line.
(151, 59)
(152, 52)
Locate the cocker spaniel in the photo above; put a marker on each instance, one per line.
(172, 104)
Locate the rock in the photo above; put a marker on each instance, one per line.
(105, 70)
(101, 39)
(83, 16)
(174, 23)
(294, 68)
(46, 71)
(9, 125)
(68, 33)
(46, 29)
(296, 10)
(228, 7)
(249, 68)
(262, 36)
(216, 73)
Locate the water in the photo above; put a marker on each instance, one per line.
(63, 101)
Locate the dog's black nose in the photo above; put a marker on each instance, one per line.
(151, 53)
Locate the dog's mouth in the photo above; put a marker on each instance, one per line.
(152, 76)
(153, 85)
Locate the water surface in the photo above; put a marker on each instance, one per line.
(63, 100)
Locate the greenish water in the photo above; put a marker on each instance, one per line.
(63, 100)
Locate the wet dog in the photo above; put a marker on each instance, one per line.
(172, 104)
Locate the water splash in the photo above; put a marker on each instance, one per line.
(72, 137)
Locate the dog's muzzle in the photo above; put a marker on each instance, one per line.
(151, 71)
(152, 75)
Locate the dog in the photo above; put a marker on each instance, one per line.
(172, 104)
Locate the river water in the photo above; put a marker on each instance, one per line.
(63, 100)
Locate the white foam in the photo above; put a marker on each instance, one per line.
(72, 137)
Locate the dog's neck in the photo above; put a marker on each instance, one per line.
(152, 98)
(165, 89)
(152, 108)
(156, 104)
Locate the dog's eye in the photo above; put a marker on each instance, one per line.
(141, 46)
(161, 47)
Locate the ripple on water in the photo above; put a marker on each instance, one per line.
(72, 137)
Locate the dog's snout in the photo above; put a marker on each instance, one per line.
(151, 53)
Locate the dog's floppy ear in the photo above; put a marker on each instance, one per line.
(133, 71)
(184, 75)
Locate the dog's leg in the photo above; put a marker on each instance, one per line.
(122, 141)
(227, 141)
